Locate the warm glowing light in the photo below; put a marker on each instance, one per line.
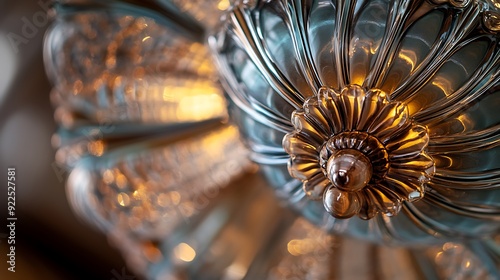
(96, 148)
(175, 197)
(466, 122)
(184, 252)
(408, 57)
(235, 271)
(413, 107)
(200, 107)
(223, 5)
(108, 177)
(136, 195)
(444, 85)
(438, 256)
(146, 38)
(191, 101)
(121, 181)
(297, 247)
(293, 246)
(123, 199)
(168, 94)
(152, 253)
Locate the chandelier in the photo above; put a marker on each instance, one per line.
(283, 139)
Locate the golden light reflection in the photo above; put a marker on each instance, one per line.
(374, 48)
(121, 181)
(466, 122)
(96, 148)
(223, 5)
(200, 107)
(191, 101)
(358, 75)
(297, 247)
(438, 256)
(205, 68)
(108, 177)
(184, 252)
(146, 38)
(123, 199)
(136, 195)
(236, 271)
(409, 57)
(444, 85)
(168, 94)
(151, 252)
(175, 197)
(413, 107)
(141, 189)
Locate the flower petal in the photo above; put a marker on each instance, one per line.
(315, 187)
(408, 188)
(341, 204)
(303, 168)
(332, 109)
(389, 200)
(312, 109)
(421, 162)
(372, 104)
(295, 144)
(352, 100)
(385, 200)
(393, 117)
(368, 208)
(409, 144)
(407, 174)
(304, 125)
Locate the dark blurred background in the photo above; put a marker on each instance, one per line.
(51, 242)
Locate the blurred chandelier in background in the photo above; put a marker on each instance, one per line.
(379, 110)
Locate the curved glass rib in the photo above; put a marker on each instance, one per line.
(164, 12)
(248, 37)
(467, 181)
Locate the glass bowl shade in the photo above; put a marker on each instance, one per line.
(405, 90)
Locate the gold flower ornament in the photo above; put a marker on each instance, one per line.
(359, 152)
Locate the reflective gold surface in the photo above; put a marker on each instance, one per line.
(364, 146)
